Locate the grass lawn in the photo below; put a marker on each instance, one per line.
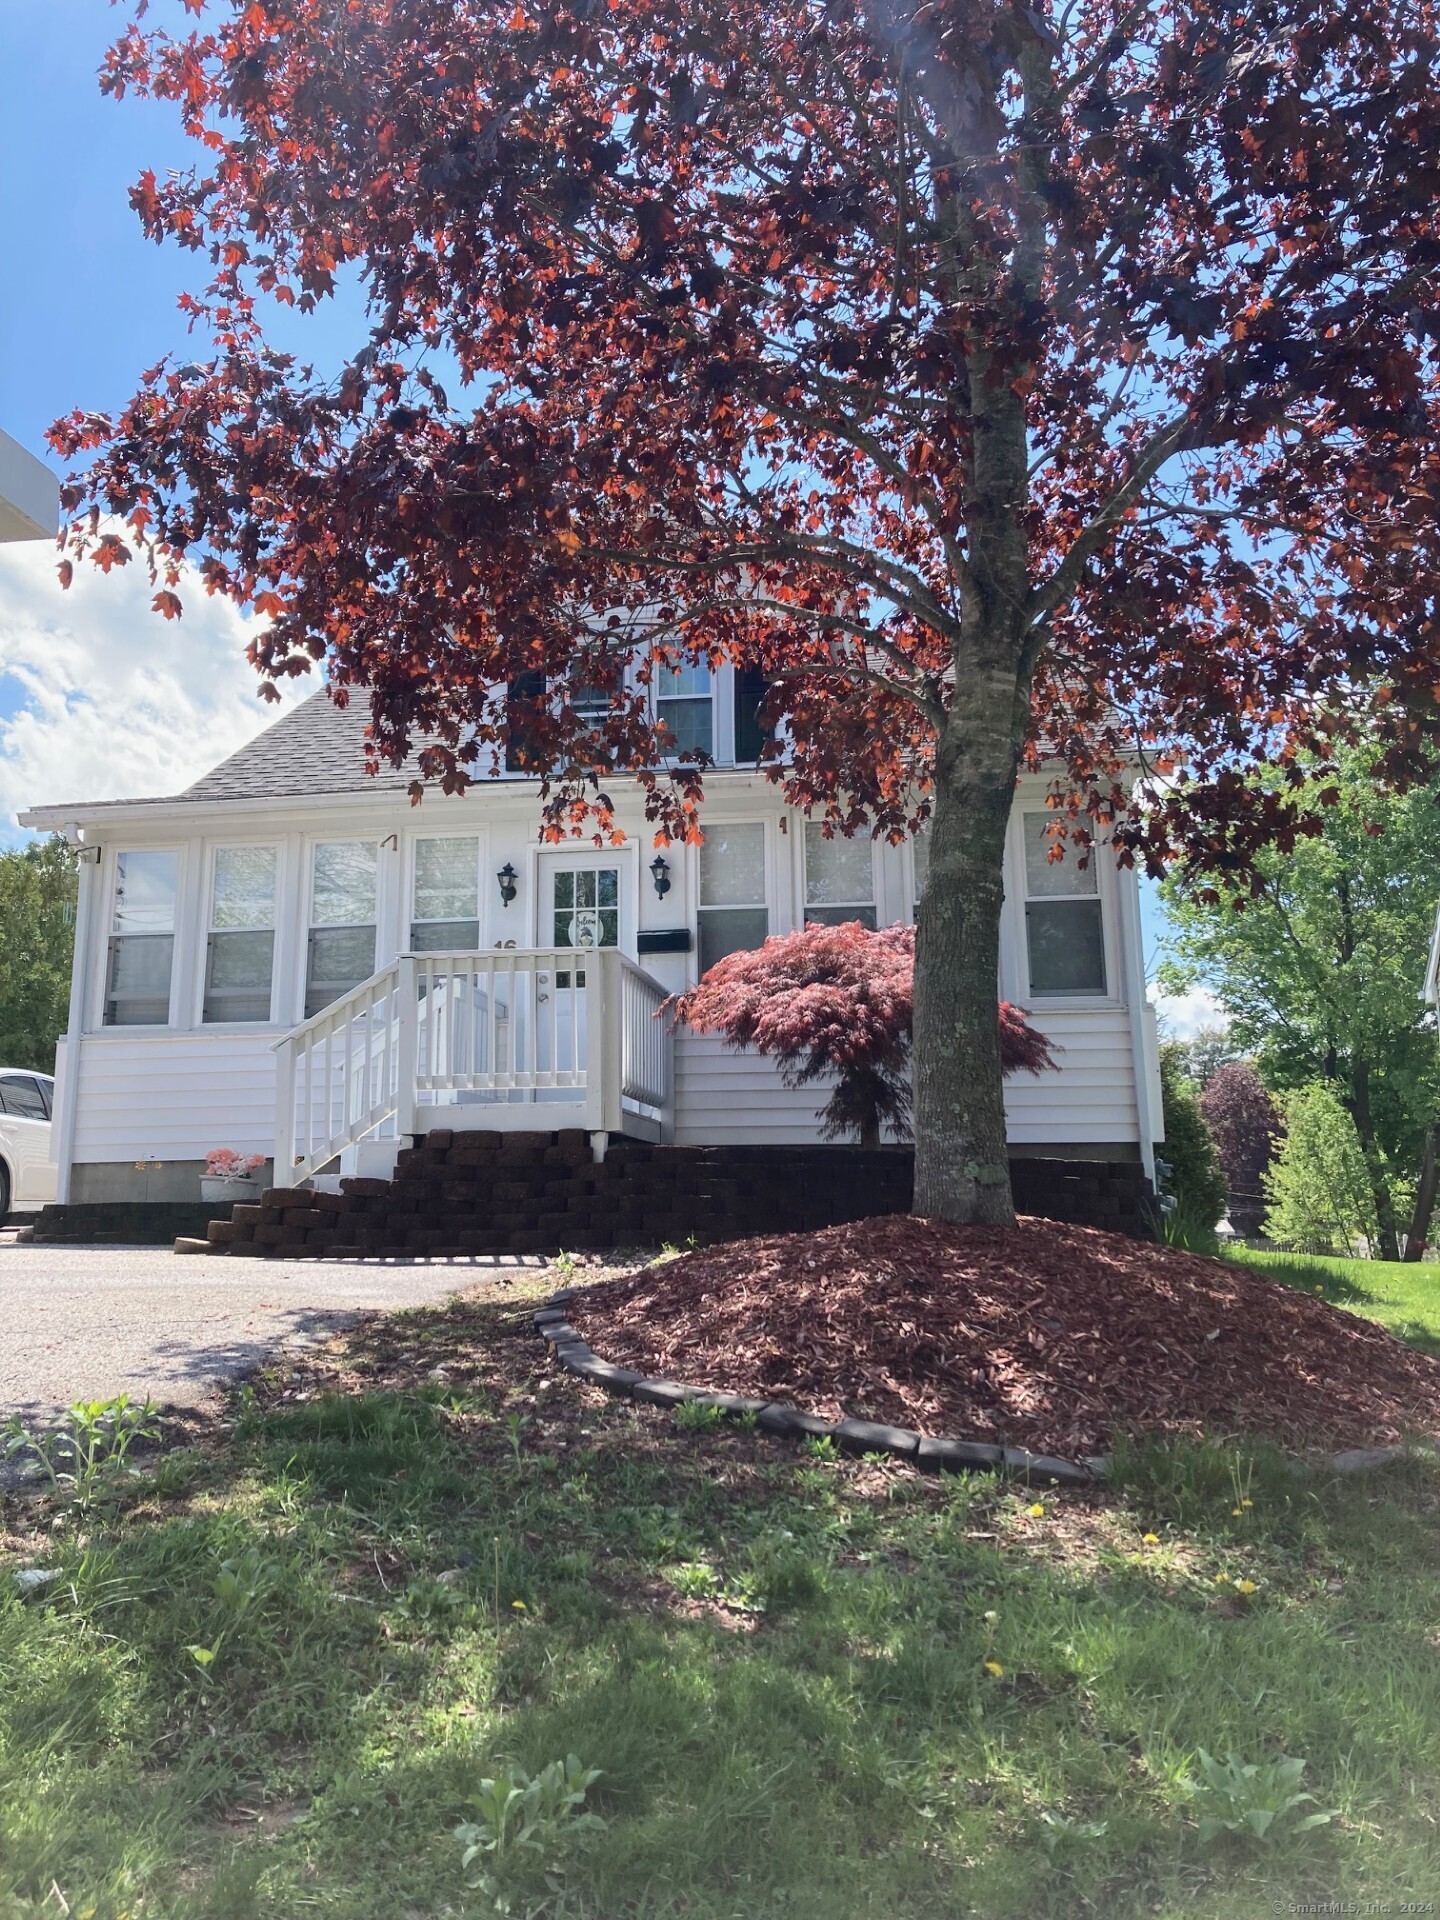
(1405, 1298)
(276, 1669)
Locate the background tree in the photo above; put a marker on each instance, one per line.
(1195, 1178)
(1320, 957)
(1206, 1051)
(1245, 1124)
(1318, 1187)
(984, 373)
(837, 1002)
(37, 937)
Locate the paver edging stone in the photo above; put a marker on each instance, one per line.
(787, 1422)
(934, 1453)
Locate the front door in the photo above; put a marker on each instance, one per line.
(580, 907)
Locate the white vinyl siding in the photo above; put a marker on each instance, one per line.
(175, 1096)
(141, 954)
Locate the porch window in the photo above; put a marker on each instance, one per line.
(733, 914)
(447, 895)
(684, 702)
(1063, 926)
(240, 952)
(342, 920)
(142, 940)
(839, 879)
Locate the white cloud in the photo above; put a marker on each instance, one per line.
(1182, 1015)
(103, 699)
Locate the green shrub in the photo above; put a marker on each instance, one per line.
(1318, 1189)
(1195, 1177)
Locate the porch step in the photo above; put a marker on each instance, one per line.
(486, 1193)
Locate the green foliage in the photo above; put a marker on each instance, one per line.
(526, 1827)
(698, 1416)
(1251, 1798)
(1317, 1186)
(1195, 1178)
(901, 1696)
(1321, 970)
(37, 937)
(87, 1451)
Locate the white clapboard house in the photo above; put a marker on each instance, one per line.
(291, 959)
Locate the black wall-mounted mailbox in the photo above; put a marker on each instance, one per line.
(664, 940)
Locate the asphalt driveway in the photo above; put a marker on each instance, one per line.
(89, 1322)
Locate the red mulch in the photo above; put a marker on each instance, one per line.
(1050, 1337)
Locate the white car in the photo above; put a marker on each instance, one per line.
(27, 1173)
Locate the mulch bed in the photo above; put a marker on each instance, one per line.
(1049, 1337)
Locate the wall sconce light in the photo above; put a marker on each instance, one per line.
(507, 878)
(660, 874)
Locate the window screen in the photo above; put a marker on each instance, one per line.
(240, 953)
(733, 913)
(447, 895)
(1064, 930)
(839, 878)
(142, 940)
(341, 949)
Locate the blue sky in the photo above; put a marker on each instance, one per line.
(88, 304)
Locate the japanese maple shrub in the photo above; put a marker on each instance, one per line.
(1245, 1124)
(837, 1001)
(988, 376)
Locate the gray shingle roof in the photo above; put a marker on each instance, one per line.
(315, 748)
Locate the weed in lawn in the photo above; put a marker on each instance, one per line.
(526, 1833)
(1254, 1799)
(696, 1416)
(822, 1447)
(88, 1451)
(694, 1580)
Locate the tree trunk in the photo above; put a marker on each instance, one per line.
(1424, 1200)
(962, 1170)
(1387, 1240)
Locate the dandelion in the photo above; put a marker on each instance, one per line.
(991, 1615)
(519, 1606)
(994, 1666)
(1246, 1586)
(1237, 1510)
(1247, 1503)
(1037, 1512)
(1150, 1540)
(1222, 1579)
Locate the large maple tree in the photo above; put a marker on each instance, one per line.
(998, 378)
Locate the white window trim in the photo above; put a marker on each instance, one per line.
(207, 915)
(769, 826)
(410, 873)
(96, 1023)
(804, 902)
(312, 842)
(1018, 890)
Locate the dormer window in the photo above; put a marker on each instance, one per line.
(685, 703)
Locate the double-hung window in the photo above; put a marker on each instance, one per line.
(1064, 931)
(240, 951)
(839, 878)
(684, 702)
(447, 895)
(142, 940)
(341, 951)
(750, 732)
(733, 914)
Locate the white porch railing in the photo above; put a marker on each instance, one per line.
(508, 1039)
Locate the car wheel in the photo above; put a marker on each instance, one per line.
(4, 1193)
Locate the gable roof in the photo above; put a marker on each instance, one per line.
(315, 748)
